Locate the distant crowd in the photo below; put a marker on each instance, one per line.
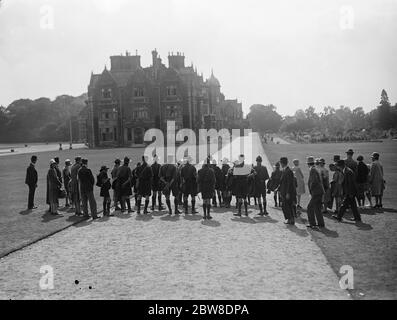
(348, 187)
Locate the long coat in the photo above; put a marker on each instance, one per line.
(314, 183)
(189, 179)
(74, 185)
(376, 180)
(124, 178)
(287, 185)
(53, 186)
(206, 182)
(349, 183)
(300, 180)
(144, 183)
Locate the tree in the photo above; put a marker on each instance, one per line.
(264, 118)
(385, 117)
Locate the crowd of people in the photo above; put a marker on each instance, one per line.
(217, 185)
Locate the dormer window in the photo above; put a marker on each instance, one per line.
(106, 93)
(139, 92)
(171, 91)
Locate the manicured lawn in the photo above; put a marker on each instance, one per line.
(370, 248)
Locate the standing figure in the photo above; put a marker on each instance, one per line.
(168, 176)
(287, 191)
(376, 180)
(240, 184)
(349, 193)
(124, 178)
(300, 181)
(31, 181)
(144, 185)
(362, 181)
(157, 186)
(179, 166)
(226, 192)
(189, 185)
(87, 181)
(336, 186)
(218, 178)
(273, 184)
(103, 181)
(260, 178)
(206, 186)
(75, 187)
(316, 190)
(350, 162)
(324, 174)
(115, 184)
(67, 178)
(53, 187)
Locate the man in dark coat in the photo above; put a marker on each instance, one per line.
(31, 181)
(74, 186)
(287, 191)
(157, 186)
(144, 184)
(218, 182)
(349, 193)
(260, 177)
(240, 185)
(116, 189)
(350, 162)
(316, 190)
(87, 181)
(169, 176)
(206, 185)
(189, 184)
(103, 181)
(66, 174)
(124, 185)
(223, 186)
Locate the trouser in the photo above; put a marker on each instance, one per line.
(88, 197)
(287, 208)
(106, 206)
(124, 200)
(349, 202)
(314, 211)
(32, 190)
(76, 202)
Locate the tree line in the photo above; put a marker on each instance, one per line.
(331, 123)
(41, 120)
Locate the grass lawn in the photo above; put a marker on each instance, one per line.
(370, 248)
(18, 226)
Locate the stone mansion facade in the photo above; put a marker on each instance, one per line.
(129, 99)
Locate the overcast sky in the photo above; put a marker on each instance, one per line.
(289, 53)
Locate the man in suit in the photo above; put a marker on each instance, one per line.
(260, 177)
(156, 184)
(169, 178)
(87, 181)
(349, 193)
(74, 185)
(189, 185)
(31, 181)
(316, 190)
(144, 185)
(287, 191)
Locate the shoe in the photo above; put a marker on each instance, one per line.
(117, 209)
(356, 220)
(95, 217)
(310, 226)
(336, 217)
(204, 218)
(209, 218)
(237, 214)
(320, 225)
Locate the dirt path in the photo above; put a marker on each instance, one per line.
(158, 257)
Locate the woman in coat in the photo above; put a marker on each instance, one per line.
(53, 187)
(300, 180)
(206, 185)
(376, 181)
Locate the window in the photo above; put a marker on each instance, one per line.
(106, 93)
(140, 113)
(171, 112)
(171, 91)
(107, 135)
(129, 134)
(139, 92)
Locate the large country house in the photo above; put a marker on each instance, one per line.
(129, 99)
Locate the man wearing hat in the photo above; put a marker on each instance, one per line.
(316, 190)
(226, 193)
(376, 180)
(67, 177)
(287, 191)
(169, 178)
(349, 193)
(115, 187)
(75, 188)
(240, 184)
(87, 181)
(124, 184)
(53, 187)
(218, 178)
(103, 181)
(157, 186)
(324, 174)
(189, 184)
(31, 181)
(144, 185)
(260, 177)
(350, 162)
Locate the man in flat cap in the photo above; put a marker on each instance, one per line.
(260, 177)
(349, 193)
(287, 191)
(316, 190)
(74, 185)
(31, 181)
(350, 162)
(87, 182)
